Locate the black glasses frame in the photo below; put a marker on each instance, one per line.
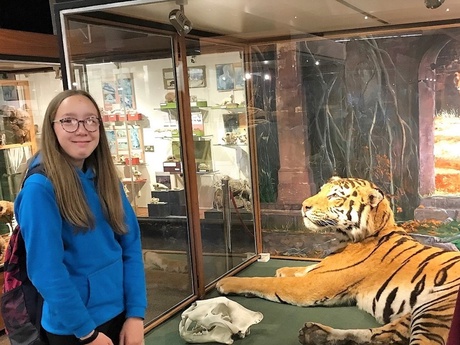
(61, 121)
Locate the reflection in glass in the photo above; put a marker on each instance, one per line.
(375, 108)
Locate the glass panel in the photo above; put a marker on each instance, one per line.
(375, 107)
(381, 107)
(23, 101)
(220, 127)
(123, 70)
(342, 103)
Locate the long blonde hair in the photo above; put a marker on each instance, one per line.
(67, 186)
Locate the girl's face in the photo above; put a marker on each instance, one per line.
(77, 128)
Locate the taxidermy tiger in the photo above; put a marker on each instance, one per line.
(409, 288)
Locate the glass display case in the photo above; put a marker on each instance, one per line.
(244, 123)
(22, 107)
(170, 151)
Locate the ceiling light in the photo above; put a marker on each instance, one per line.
(180, 22)
(432, 4)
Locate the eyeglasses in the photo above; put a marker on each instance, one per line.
(71, 125)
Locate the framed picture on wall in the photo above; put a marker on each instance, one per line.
(225, 77)
(119, 93)
(196, 77)
(10, 93)
(168, 79)
(126, 91)
(109, 94)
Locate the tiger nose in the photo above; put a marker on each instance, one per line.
(305, 206)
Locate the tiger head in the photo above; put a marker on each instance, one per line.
(352, 207)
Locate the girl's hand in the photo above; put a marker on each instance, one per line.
(101, 339)
(132, 332)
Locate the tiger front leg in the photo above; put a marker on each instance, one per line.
(396, 333)
(300, 291)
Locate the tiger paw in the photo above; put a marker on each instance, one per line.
(227, 285)
(314, 333)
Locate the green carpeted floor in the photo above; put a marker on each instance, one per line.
(281, 322)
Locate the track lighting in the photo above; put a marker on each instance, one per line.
(178, 19)
(432, 4)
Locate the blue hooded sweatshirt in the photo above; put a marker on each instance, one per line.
(86, 278)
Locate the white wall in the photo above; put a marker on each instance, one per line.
(150, 92)
(43, 87)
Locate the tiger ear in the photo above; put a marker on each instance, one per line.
(334, 179)
(375, 197)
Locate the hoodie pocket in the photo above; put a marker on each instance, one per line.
(106, 286)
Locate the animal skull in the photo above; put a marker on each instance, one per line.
(216, 320)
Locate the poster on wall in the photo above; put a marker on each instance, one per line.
(110, 94)
(229, 77)
(119, 93)
(111, 138)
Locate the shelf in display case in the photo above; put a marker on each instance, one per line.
(14, 146)
(195, 138)
(210, 172)
(231, 145)
(130, 117)
(138, 181)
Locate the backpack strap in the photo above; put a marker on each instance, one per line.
(37, 169)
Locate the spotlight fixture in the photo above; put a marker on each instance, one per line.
(180, 22)
(432, 4)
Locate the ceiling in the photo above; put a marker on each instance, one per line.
(265, 20)
(259, 19)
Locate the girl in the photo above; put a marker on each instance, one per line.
(81, 234)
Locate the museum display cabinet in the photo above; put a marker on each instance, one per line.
(28, 65)
(184, 159)
(17, 141)
(238, 121)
